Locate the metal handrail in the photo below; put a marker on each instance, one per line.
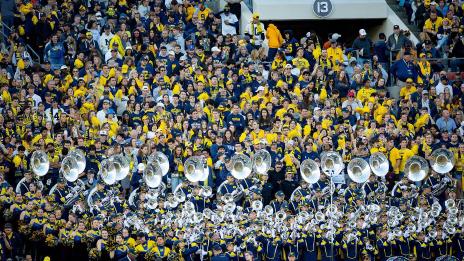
(28, 47)
(443, 60)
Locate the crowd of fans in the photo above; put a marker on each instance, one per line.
(139, 76)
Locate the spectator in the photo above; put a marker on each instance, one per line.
(443, 85)
(275, 41)
(229, 22)
(404, 69)
(432, 25)
(381, 50)
(363, 45)
(396, 40)
(445, 123)
(256, 31)
(54, 52)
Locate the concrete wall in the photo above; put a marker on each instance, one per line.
(303, 9)
(246, 17)
(387, 26)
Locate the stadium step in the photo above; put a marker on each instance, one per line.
(399, 10)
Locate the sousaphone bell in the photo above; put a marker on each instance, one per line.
(122, 166)
(310, 171)
(194, 169)
(442, 160)
(358, 170)
(163, 161)
(240, 166)
(40, 163)
(108, 172)
(70, 168)
(153, 175)
(331, 163)
(262, 162)
(379, 164)
(416, 168)
(79, 156)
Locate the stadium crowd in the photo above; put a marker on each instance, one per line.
(174, 76)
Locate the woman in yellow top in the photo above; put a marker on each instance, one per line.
(279, 61)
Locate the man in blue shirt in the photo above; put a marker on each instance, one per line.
(404, 68)
(445, 122)
(236, 119)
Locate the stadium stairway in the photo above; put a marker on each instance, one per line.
(401, 13)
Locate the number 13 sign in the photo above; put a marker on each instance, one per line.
(322, 8)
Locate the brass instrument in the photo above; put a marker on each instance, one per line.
(152, 175)
(358, 170)
(310, 171)
(262, 162)
(416, 168)
(331, 163)
(379, 164)
(442, 160)
(241, 166)
(40, 163)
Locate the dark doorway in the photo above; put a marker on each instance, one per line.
(347, 28)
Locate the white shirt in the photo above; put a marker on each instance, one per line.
(441, 89)
(36, 98)
(143, 10)
(251, 29)
(101, 115)
(52, 114)
(104, 42)
(231, 19)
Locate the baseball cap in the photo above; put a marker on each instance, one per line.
(396, 27)
(335, 36)
(362, 32)
(215, 49)
(255, 15)
(409, 80)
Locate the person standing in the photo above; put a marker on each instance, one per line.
(363, 45)
(275, 41)
(396, 41)
(255, 30)
(404, 69)
(235, 7)
(229, 22)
